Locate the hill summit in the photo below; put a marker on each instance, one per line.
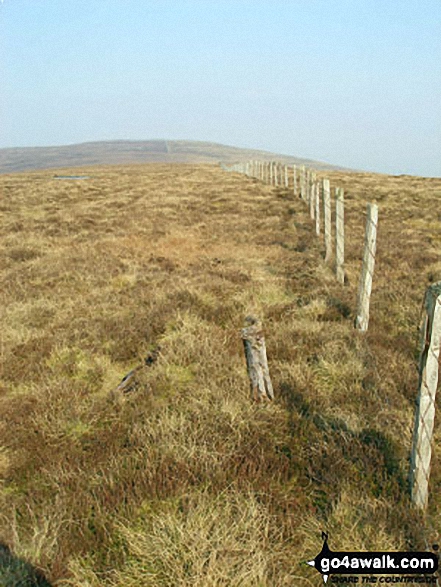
(124, 152)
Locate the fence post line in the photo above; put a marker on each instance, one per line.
(257, 363)
(340, 235)
(365, 287)
(327, 220)
(430, 344)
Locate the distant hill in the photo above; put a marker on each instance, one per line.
(120, 152)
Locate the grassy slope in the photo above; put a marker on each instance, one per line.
(184, 481)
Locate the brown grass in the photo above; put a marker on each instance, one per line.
(183, 481)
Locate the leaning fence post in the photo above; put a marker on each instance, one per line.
(365, 288)
(425, 411)
(327, 219)
(257, 363)
(340, 235)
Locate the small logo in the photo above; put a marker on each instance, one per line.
(373, 563)
(317, 561)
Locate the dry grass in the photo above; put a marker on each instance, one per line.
(184, 482)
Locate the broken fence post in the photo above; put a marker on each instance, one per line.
(367, 273)
(327, 219)
(425, 411)
(257, 363)
(340, 235)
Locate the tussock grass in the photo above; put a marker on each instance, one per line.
(183, 481)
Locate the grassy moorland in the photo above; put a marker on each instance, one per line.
(183, 481)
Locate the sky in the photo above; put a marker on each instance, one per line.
(355, 83)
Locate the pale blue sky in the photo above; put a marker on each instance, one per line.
(351, 82)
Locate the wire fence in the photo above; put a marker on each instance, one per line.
(317, 196)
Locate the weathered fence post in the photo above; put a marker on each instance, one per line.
(303, 184)
(257, 363)
(295, 180)
(312, 201)
(340, 235)
(327, 219)
(317, 209)
(308, 184)
(276, 172)
(286, 176)
(425, 411)
(365, 288)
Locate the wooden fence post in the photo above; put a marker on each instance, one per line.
(340, 235)
(257, 363)
(295, 180)
(312, 201)
(308, 184)
(286, 176)
(327, 219)
(303, 184)
(317, 209)
(425, 411)
(276, 171)
(365, 288)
